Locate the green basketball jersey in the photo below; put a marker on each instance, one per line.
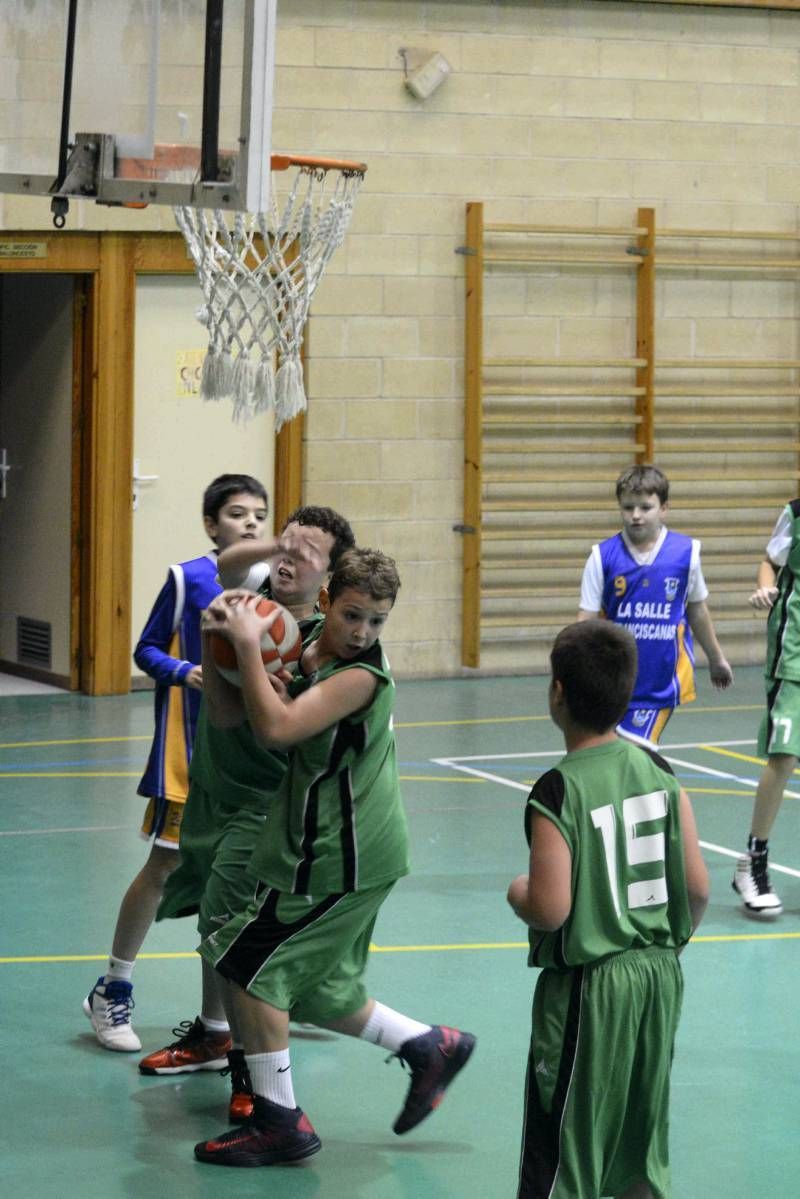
(338, 822)
(230, 764)
(617, 805)
(783, 625)
(233, 768)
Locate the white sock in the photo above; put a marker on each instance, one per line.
(391, 1029)
(271, 1076)
(118, 969)
(214, 1025)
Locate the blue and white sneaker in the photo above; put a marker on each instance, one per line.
(109, 1005)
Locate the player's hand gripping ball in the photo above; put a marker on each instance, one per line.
(281, 645)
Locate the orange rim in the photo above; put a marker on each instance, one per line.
(169, 157)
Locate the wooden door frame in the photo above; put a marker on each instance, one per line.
(102, 440)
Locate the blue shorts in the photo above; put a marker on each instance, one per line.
(644, 724)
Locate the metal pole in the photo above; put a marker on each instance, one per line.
(212, 70)
(58, 205)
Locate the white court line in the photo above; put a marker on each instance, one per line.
(737, 853)
(544, 753)
(38, 832)
(454, 764)
(723, 774)
(559, 753)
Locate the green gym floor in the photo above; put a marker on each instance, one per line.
(80, 1121)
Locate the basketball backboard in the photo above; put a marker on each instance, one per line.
(158, 102)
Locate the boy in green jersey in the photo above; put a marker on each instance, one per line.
(335, 845)
(233, 781)
(779, 735)
(615, 887)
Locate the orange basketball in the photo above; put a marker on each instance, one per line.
(281, 645)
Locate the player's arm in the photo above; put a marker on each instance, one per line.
(277, 721)
(223, 701)
(150, 654)
(775, 557)
(702, 627)
(542, 898)
(696, 874)
(591, 601)
(766, 591)
(233, 563)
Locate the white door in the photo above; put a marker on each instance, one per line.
(180, 441)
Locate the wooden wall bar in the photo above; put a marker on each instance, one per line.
(473, 436)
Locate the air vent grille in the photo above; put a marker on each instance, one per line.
(34, 642)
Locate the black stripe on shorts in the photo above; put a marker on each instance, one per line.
(541, 1131)
(787, 592)
(772, 696)
(263, 936)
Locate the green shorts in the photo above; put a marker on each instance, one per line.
(212, 878)
(597, 1087)
(780, 725)
(302, 954)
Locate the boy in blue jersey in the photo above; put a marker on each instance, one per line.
(649, 580)
(779, 735)
(615, 887)
(234, 510)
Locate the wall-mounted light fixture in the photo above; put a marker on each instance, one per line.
(424, 72)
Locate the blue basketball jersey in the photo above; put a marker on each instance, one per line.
(650, 602)
(167, 650)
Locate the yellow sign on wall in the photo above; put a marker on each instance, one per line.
(188, 369)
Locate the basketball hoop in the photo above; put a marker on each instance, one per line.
(258, 272)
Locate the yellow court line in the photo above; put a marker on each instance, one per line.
(438, 778)
(403, 724)
(90, 957)
(75, 741)
(70, 774)
(687, 710)
(749, 937)
(435, 724)
(135, 774)
(691, 710)
(730, 753)
(444, 948)
(718, 791)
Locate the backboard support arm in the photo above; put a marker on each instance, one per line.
(59, 205)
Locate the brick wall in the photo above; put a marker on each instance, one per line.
(565, 111)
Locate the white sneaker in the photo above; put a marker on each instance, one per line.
(109, 1006)
(751, 881)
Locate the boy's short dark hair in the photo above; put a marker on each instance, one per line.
(644, 480)
(330, 522)
(365, 570)
(595, 662)
(220, 490)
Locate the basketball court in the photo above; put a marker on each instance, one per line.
(447, 949)
(173, 116)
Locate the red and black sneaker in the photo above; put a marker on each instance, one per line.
(195, 1049)
(434, 1058)
(274, 1135)
(240, 1107)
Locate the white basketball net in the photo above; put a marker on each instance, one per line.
(258, 273)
